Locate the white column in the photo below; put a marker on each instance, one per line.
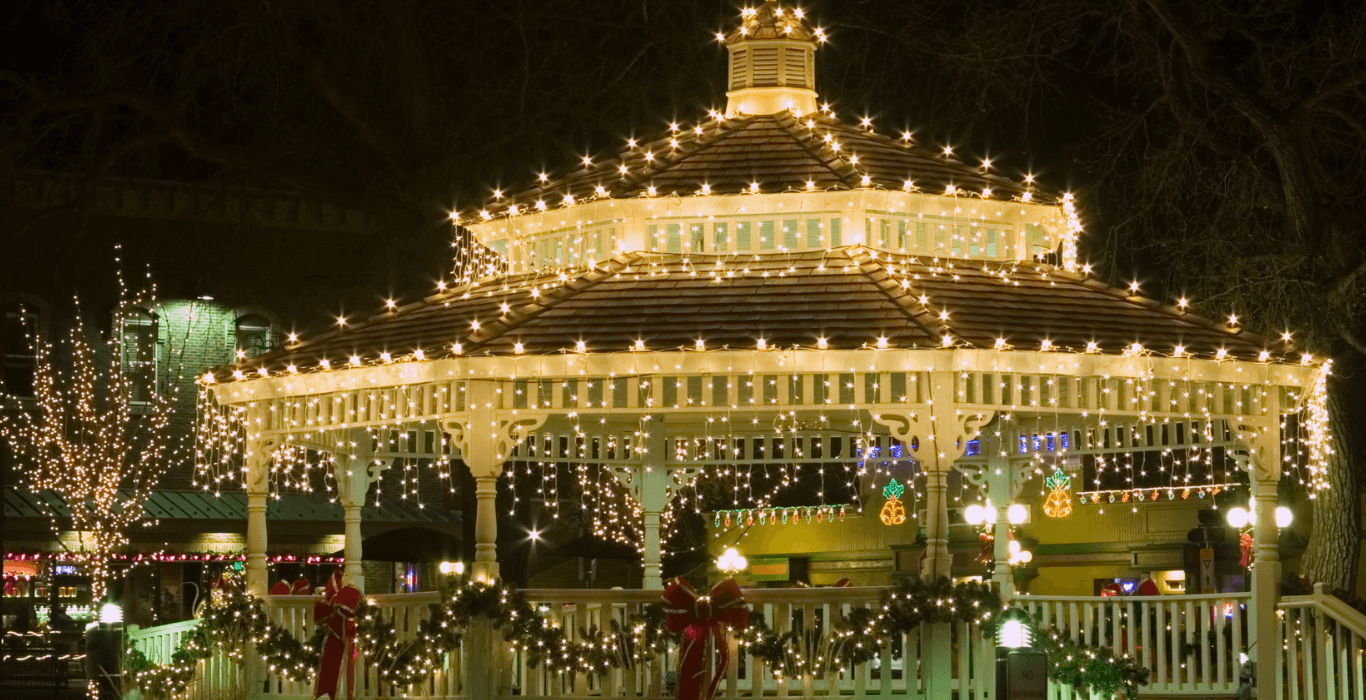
(654, 495)
(1266, 579)
(938, 561)
(999, 478)
(1264, 471)
(258, 454)
(486, 434)
(355, 471)
(485, 527)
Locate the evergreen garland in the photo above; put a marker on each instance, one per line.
(911, 602)
(230, 623)
(857, 637)
(237, 620)
(1096, 669)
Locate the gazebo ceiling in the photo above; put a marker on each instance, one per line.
(845, 298)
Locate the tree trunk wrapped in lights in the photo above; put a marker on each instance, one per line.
(96, 433)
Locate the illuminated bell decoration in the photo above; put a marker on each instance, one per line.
(1059, 501)
(893, 511)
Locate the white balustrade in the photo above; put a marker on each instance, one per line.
(216, 675)
(405, 611)
(1189, 643)
(1322, 646)
(895, 673)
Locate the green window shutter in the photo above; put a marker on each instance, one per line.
(813, 233)
(675, 236)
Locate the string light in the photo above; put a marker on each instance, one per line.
(100, 435)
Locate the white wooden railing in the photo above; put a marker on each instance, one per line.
(405, 611)
(900, 671)
(1189, 643)
(217, 675)
(1323, 643)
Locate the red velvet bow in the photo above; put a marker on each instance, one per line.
(336, 611)
(703, 620)
(301, 587)
(1245, 544)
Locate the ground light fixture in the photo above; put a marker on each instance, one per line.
(1016, 630)
(111, 613)
(1021, 672)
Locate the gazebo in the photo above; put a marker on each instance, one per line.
(767, 273)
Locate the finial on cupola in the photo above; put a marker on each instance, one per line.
(772, 62)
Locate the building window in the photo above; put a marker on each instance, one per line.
(139, 347)
(20, 359)
(254, 335)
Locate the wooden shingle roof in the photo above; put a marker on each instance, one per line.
(848, 296)
(780, 152)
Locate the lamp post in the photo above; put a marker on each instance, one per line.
(1021, 672)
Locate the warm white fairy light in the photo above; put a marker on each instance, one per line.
(86, 441)
(564, 223)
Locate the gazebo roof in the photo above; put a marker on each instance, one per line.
(779, 152)
(843, 298)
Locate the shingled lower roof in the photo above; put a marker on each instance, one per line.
(780, 152)
(851, 297)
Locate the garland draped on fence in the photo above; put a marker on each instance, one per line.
(238, 620)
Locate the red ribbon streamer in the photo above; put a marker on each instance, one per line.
(336, 611)
(703, 620)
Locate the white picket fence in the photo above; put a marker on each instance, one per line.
(900, 670)
(1322, 650)
(1189, 644)
(217, 677)
(405, 610)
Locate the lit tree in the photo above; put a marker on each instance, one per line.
(97, 433)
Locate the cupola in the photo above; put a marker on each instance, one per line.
(772, 62)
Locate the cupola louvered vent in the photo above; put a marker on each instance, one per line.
(772, 62)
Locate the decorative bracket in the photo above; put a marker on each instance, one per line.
(259, 452)
(1260, 447)
(974, 473)
(924, 429)
(487, 438)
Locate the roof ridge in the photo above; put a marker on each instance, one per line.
(802, 142)
(723, 131)
(896, 293)
(527, 312)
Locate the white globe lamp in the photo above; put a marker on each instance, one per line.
(1237, 518)
(1016, 514)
